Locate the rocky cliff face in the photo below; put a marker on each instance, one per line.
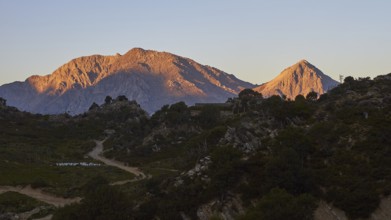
(151, 78)
(300, 78)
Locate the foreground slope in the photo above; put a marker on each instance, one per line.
(151, 78)
(261, 158)
(301, 78)
(252, 158)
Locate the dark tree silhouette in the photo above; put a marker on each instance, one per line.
(312, 96)
(108, 100)
(3, 102)
(249, 93)
(299, 98)
(122, 98)
(348, 80)
(93, 106)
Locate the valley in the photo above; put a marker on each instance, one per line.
(195, 110)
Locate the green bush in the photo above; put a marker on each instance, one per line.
(17, 203)
(209, 116)
(101, 202)
(225, 169)
(39, 183)
(280, 205)
(285, 170)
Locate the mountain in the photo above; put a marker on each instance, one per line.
(301, 78)
(151, 78)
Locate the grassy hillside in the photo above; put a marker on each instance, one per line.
(31, 145)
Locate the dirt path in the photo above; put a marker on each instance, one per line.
(59, 201)
(49, 217)
(27, 215)
(123, 182)
(164, 169)
(96, 154)
(39, 195)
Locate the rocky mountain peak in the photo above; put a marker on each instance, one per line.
(300, 78)
(137, 52)
(301, 67)
(303, 62)
(140, 53)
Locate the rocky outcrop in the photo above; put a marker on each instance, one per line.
(329, 212)
(228, 209)
(247, 135)
(300, 78)
(151, 78)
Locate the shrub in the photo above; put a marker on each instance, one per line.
(278, 204)
(102, 202)
(312, 96)
(249, 93)
(209, 116)
(108, 100)
(225, 169)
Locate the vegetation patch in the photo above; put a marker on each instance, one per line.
(17, 203)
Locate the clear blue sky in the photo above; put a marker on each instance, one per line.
(255, 40)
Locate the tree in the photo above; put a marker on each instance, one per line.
(248, 98)
(285, 170)
(93, 106)
(323, 97)
(299, 98)
(209, 116)
(3, 102)
(122, 98)
(249, 93)
(225, 169)
(108, 100)
(100, 202)
(348, 80)
(296, 139)
(278, 204)
(312, 96)
(178, 113)
(230, 100)
(178, 107)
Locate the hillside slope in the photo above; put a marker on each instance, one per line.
(270, 158)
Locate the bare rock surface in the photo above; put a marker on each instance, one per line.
(329, 212)
(301, 78)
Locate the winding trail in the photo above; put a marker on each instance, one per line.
(59, 201)
(40, 195)
(96, 154)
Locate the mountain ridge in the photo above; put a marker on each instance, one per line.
(150, 77)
